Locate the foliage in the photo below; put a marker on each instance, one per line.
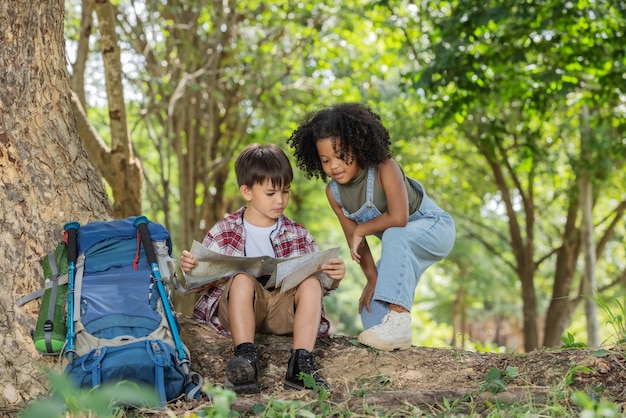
(294, 408)
(483, 101)
(496, 379)
(595, 407)
(528, 89)
(570, 342)
(221, 401)
(105, 401)
(615, 319)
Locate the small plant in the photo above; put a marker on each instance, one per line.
(450, 407)
(283, 409)
(496, 379)
(384, 381)
(322, 394)
(570, 342)
(615, 320)
(595, 407)
(221, 399)
(373, 384)
(295, 408)
(569, 378)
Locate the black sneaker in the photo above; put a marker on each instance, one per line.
(303, 361)
(242, 373)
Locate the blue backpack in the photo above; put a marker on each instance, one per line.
(120, 322)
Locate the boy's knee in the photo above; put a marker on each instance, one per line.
(313, 282)
(242, 279)
(310, 285)
(241, 284)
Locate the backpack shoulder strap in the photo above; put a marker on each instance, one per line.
(195, 383)
(78, 284)
(60, 279)
(54, 279)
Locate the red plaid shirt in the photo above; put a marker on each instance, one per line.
(228, 237)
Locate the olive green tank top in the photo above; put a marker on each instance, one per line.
(353, 194)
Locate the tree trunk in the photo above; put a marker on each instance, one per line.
(459, 324)
(116, 163)
(589, 249)
(529, 309)
(77, 79)
(124, 172)
(46, 178)
(522, 238)
(589, 246)
(562, 305)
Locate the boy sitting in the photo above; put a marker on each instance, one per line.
(239, 305)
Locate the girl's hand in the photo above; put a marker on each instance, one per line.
(366, 296)
(187, 261)
(355, 245)
(335, 269)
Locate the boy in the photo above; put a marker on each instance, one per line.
(240, 306)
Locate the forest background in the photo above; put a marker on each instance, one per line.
(511, 114)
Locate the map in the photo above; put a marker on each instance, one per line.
(284, 273)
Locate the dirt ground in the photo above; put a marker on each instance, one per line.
(417, 382)
(365, 380)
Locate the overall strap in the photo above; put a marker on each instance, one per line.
(369, 193)
(371, 178)
(335, 191)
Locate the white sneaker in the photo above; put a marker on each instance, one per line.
(393, 333)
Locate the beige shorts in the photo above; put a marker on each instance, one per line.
(273, 310)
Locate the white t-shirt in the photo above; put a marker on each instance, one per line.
(259, 239)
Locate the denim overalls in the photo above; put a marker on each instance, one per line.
(406, 252)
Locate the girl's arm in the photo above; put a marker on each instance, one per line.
(391, 180)
(365, 258)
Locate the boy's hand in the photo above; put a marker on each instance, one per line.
(187, 261)
(335, 269)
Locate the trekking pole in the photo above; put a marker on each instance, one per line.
(141, 223)
(72, 253)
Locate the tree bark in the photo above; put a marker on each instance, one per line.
(561, 308)
(46, 178)
(589, 245)
(82, 51)
(589, 250)
(125, 174)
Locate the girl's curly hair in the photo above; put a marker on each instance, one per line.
(355, 127)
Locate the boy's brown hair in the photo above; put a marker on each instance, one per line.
(258, 163)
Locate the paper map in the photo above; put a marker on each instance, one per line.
(285, 273)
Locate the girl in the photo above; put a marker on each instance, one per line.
(370, 195)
